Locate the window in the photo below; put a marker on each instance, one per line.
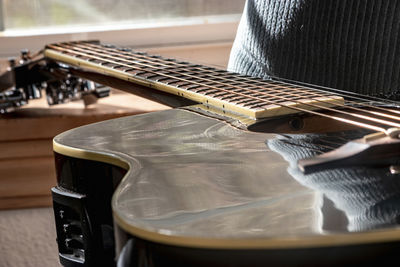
(31, 24)
(33, 14)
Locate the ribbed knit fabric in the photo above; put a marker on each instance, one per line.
(348, 44)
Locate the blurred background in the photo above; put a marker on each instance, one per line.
(200, 31)
(30, 14)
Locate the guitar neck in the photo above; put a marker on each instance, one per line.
(248, 96)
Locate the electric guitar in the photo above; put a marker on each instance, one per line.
(243, 172)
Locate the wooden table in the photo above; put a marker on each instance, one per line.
(26, 158)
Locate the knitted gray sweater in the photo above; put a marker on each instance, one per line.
(349, 44)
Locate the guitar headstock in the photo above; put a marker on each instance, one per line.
(31, 76)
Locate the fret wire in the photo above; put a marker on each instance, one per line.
(229, 85)
(365, 104)
(290, 107)
(240, 87)
(248, 78)
(354, 108)
(313, 92)
(130, 55)
(219, 78)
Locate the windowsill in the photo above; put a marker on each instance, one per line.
(174, 32)
(123, 25)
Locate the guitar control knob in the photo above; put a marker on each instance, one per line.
(61, 213)
(72, 243)
(72, 229)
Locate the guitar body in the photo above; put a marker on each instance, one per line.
(181, 188)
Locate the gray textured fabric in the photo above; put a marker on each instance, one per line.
(348, 45)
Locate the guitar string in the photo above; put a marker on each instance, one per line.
(327, 108)
(357, 123)
(348, 121)
(129, 53)
(188, 81)
(230, 91)
(249, 78)
(157, 60)
(132, 56)
(348, 94)
(161, 61)
(258, 105)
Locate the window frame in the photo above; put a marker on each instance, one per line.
(194, 30)
(1, 17)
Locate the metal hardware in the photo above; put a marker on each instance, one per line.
(296, 123)
(395, 169)
(30, 76)
(393, 132)
(72, 225)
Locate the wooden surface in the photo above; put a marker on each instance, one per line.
(26, 158)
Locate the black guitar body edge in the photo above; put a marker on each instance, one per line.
(258, 195)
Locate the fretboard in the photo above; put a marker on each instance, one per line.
(248, 96)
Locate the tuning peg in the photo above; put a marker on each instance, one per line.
(25, 56)
(12, 62)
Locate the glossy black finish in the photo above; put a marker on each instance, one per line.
(201, 192)
(82, 211)
(138, 252)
